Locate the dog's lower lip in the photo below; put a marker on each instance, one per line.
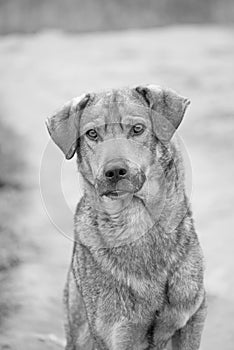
(116, 194)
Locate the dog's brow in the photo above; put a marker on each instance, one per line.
(91, 121)
(129, 119)
(88, 126)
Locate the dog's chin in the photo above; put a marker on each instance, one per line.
(115, 201)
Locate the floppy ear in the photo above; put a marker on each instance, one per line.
(63, 126)
(167, 107)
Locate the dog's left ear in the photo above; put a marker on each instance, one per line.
(168, 109)
(63, 126)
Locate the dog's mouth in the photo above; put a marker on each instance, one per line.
(116, 194)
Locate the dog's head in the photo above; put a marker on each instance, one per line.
(116, 134)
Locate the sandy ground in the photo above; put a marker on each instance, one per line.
(38, 74)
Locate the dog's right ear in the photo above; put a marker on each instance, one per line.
(63, 126)
(167, 108)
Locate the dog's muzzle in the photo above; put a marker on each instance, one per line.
(119, 177)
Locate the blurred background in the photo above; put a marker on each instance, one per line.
(51, 51)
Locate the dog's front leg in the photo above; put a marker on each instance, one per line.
(174, 325)
(162, 335)
(126, 335)
(189, 337)
(78, 335)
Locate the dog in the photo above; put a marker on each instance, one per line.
(136, 275)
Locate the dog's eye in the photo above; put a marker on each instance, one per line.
(92, 134)
(137, 129)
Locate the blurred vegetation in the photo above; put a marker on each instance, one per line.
(28, 16)
(11, 162)
(11, 184)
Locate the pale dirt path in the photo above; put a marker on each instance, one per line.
(39, 73)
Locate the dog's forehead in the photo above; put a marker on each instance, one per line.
(114, 106)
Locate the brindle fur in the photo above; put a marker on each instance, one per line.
(136, 276)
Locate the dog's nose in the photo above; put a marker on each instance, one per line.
(116, 172)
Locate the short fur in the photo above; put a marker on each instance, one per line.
(136, 276)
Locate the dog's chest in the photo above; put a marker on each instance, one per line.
(134, 301)
(111, 302)
(120, 307)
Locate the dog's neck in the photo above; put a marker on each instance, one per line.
(119, 221)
